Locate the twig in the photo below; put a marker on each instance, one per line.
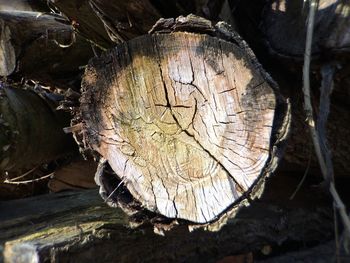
(336, 234)
(29, 181)
(302, 179)
(21, 176)
(323, 157)
(110, 195)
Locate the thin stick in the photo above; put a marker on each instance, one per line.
(302, 180)
(326, 171)
(21, 176)
(336, 233)
(110, 195)
(30, 181)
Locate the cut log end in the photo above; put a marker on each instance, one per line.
(187, 121)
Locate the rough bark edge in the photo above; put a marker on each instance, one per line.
(46, 39)
(280, 131)
(72, 224)
(15, 124)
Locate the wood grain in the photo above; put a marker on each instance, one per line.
(184, 120)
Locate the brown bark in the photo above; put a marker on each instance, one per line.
(284, 27)
(97, 20)
(190, 123)
(106, 23)
(276, 32)
(79, 174)
(77, 225)
(31, 130)
(300, 149)
(41, 47)
(24, 5)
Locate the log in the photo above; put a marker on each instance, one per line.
(78, 225)
(78, 174)
(41, 47)
(278, 40)
(299, 154)
(31, 130)
(97, 21)
(285, 30)
(277, 31)
(24, 5)
(190, 123)
(106, 23)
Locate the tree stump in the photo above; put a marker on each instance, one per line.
(189, 122)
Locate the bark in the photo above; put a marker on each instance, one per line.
(24, 5)
(31, 130)
(323, 253)
(78, 225)
(276, 32)
(41, 47)
(106, 23)
(284, 26)
(190, 123)
(284, 29)
(97, 21)
(79, 174)
(300, 150)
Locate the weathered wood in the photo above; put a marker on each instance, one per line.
(300, 152)
(78, 174)
(285, 68)
(323, 253)
(188, 122)
(284, 26)
(41, 47)
(106, 23)
(77, 225)
(17, 191)
(24, 5)
(31, 130)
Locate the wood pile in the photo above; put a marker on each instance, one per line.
(186, 115)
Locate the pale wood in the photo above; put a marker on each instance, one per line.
(184, 120)
(41, 47)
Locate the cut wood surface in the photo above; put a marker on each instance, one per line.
(77, 225)
(42, 47)
(186, 121)
(31, 130)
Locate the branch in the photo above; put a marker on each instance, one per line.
(323, 155)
